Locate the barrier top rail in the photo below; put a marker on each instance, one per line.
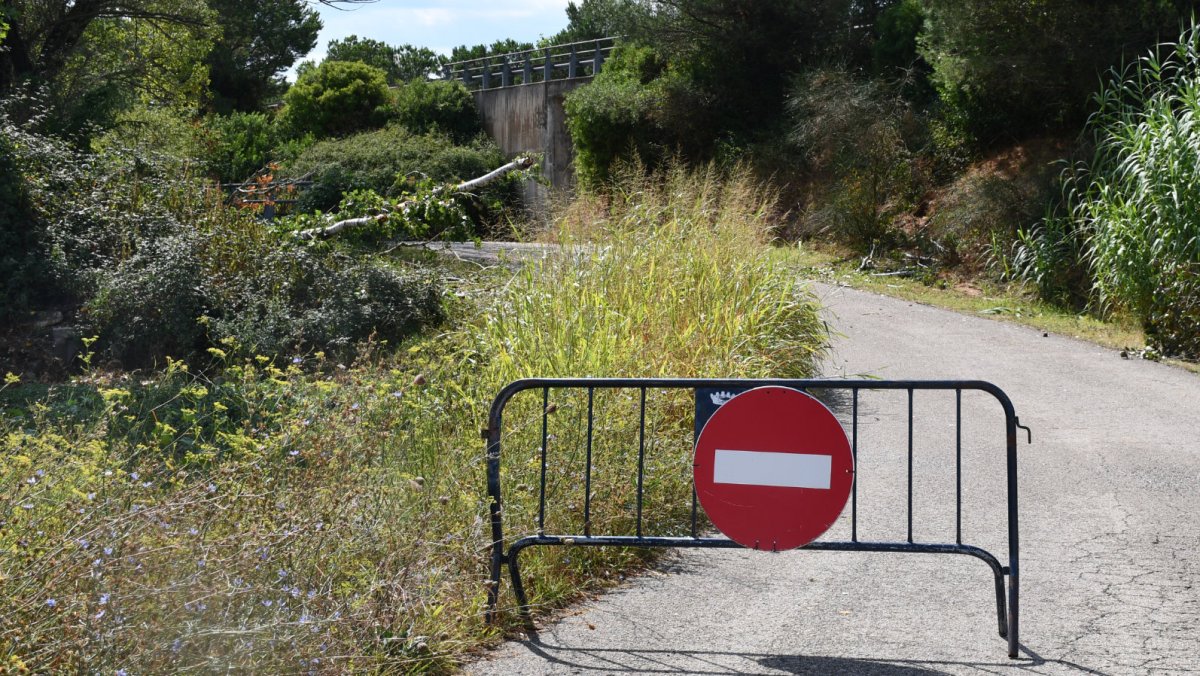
(531, 66)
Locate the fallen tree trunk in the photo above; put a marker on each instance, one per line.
(335, 228)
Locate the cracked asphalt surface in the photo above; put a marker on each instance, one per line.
(1110, 528)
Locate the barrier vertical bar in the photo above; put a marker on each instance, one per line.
(1013, 539)
(854, 483)
(958, 466)
(542, 492)
(910, 464)
(641, 460)
(494, 511)
(587, 480)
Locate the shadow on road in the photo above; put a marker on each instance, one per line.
(706, 662)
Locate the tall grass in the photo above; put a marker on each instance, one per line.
(665, 276)
(312, 516)
(1135, 209)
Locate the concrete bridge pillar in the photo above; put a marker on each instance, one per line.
(530, 118)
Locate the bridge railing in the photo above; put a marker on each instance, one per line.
(560, 62)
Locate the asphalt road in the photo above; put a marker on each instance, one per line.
(1110, 528)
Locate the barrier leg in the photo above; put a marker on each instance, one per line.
(1013, 617)
(1001, 615)
(514, 569)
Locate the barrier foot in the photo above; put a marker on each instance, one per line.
(1014, 614)
(514, 569)
(1001, 614)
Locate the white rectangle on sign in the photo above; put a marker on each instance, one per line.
(761, 468)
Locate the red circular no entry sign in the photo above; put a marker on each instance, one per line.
(773, 468)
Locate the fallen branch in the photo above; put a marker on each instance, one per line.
(331, 230)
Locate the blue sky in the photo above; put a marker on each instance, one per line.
(442, 25)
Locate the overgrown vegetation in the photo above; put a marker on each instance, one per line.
(1131, 221)
(284, 515)
(265, 459)
(924, 136)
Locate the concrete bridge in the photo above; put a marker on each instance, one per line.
(520, 96)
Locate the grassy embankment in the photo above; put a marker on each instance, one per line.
(314, 516)
(1008, 302)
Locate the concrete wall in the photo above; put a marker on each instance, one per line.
(531, 119)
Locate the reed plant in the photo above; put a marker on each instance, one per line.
(1134, 210)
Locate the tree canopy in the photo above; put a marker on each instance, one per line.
(260, 40)
(104, 54)
(402, 63)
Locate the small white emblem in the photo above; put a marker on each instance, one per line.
(719, 398)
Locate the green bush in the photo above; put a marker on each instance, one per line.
(238, 145)
(984, 208)
(90, 209)
(897, 28)
(233, 281)
(299, 300)
(380, 160)
(148, 307)
(636, 106)
(1173, 321)
(424, 210)
(154, 137)
(1006, 69)
(1134, 211)
(424, 106)
(336, 98)
(22, 248)
(857, 137)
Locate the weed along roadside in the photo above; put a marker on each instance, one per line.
(279, 515)
(241, 398)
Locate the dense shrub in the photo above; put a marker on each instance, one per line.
(1005, 69)
(234, 282)
(298, 300)
(635, 106)
(897, 28)
(739, 56)
(239, 144)
(379, 160)
(157, 140)
(22, 247)
(1173, 321)
(1134, 211)
(336, 98)
(859, 139)
(425, 106)
(91, 208)
(131, 231)
(981, 210)
(148, 307)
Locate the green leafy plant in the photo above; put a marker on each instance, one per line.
(380, 160)
(239, 144)
(856, 136)
(1131, 216)
(424, 106)
(335, 99)
(634, 107)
